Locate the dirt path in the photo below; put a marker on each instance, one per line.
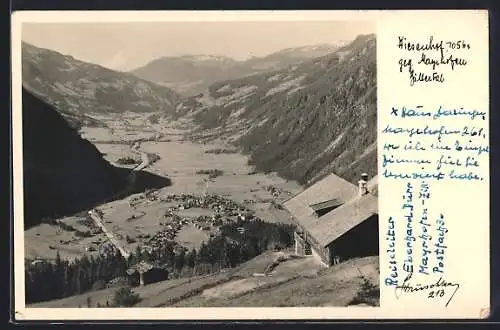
(145, 161)
(97, 219)
(179, 159)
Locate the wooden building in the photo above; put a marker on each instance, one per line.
(335, 219)
(144, 273)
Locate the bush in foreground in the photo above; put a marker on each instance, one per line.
(125, 297)
(368, 294)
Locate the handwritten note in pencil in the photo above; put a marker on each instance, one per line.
(434, 166)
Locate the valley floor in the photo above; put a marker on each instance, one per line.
(293, 282)
(180, 159)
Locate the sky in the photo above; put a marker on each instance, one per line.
(125, 46)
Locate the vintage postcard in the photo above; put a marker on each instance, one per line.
(280, 165)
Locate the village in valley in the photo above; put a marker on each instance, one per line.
(168, 235)
(209, 213)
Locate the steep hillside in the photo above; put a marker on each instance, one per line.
(83, 88)
(75, 119)
(62, 172)
(289, 56)
(189, 74)
(302, 121)
(296, 282)
(293, 282)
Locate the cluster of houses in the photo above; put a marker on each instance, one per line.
(159, 239)
(173, 220)
(335, 220)
(225, 211)
(214, 202)
(222, 207)
(149, 195)
(204, 222)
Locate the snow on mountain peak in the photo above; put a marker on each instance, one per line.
(202, 57)
(314, 48)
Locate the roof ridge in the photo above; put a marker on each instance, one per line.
(331, 215)
(326, 200)
(324, 178)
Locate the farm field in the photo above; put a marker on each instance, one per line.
(136, 218)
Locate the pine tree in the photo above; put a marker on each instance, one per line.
(58, 278)
(179, 260)
(66, 280)
(138, 254)
(130, 260)
(191, 258)
(79, 280)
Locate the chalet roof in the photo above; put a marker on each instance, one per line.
(344, 218)
(141, 267)
(333, 191)
(144, 266)
(331, 187)
(329, 203)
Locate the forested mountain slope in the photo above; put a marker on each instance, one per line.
(303, 121)
(190, 74)
(63, 173)
(82, 88)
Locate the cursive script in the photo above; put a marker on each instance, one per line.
(436, 289)
(429, 61)
(430, 143)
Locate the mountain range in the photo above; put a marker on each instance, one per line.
(77, 88)
(303, 121)
(189, 74)
(302, 112)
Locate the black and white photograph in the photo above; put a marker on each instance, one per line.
(200, 164)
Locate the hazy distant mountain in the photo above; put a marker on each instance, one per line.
(63, 173)
(191, 73)
(186, 73)
(290, 56)
(302, 121)
(312, 51)
(80, 88)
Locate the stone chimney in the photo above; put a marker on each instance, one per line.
(362, 184)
